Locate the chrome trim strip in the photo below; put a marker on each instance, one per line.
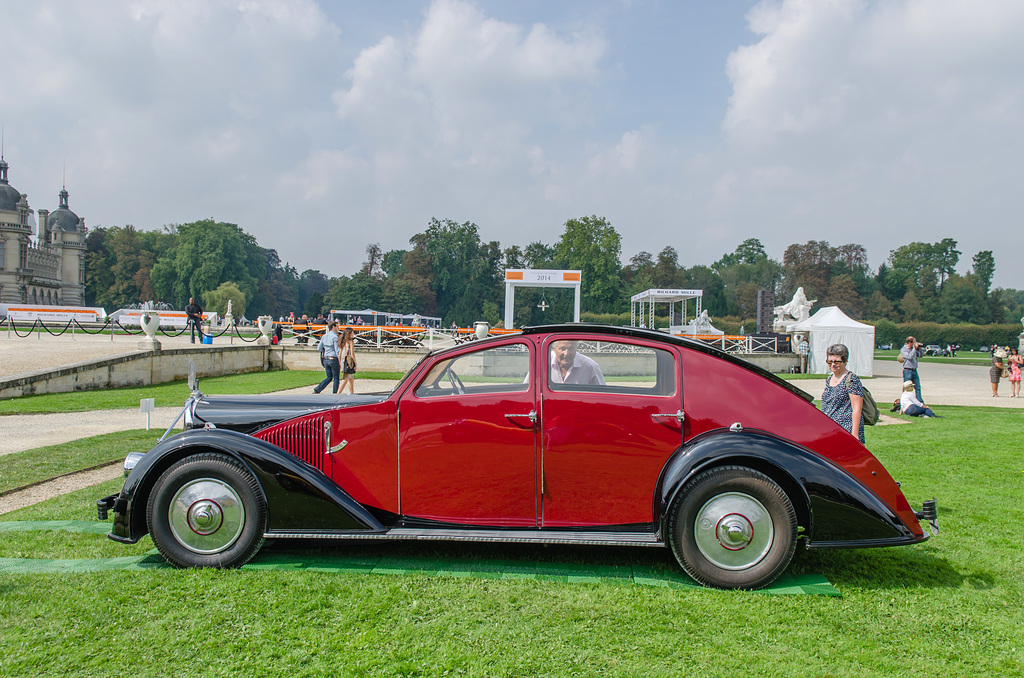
(507, 536)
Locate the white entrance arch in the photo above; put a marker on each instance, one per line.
(535, 277)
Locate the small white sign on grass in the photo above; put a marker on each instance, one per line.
(147, 405)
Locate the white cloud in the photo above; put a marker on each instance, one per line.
(875, 122)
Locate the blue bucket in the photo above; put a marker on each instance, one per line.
(207, 339)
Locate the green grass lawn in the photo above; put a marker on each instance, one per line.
(171, 394)
(949, 607)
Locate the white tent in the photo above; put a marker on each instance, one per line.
(830, 326)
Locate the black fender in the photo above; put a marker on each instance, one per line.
(833, 507)
(299, 496)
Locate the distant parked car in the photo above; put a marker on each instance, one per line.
(934, 349)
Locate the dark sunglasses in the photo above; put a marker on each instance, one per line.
(837, 361)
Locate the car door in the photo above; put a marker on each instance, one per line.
(468, 441)
(605, 442)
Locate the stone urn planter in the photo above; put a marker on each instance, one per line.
(481, 329)
(266, 325)
(150, 323)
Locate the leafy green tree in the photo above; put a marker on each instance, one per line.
(310, 281)
(879, 307)
(809, 266)
(666, 268)
(99, 274)
(207, 254)
(910, 307)
(963, 302)
(750, 251)
(842, 292)
(464, 271)
(539, 255)
(217, 300)
(984, 269)
(705, 278)
(314, 305)
(593, 246)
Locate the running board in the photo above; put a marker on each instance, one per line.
(509, 536)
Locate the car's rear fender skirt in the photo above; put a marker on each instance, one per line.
(298, 495)
(832, 506)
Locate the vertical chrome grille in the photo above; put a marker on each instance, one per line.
(302, 437)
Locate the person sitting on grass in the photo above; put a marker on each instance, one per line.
(909, 404)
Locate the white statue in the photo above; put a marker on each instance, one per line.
(799, 307)
(228, 314)
(702, 323)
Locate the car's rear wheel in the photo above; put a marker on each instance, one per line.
(207, 510)
(733, 527)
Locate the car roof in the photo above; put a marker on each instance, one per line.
(650, 335)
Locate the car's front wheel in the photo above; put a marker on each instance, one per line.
(733, 527)
(207, 510)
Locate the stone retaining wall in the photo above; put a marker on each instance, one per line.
(140, 368)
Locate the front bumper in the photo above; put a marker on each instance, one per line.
(929, 515)
(119, 530)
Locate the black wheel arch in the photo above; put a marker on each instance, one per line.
(298, 496)
(831, 505)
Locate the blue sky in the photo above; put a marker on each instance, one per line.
(321, 127)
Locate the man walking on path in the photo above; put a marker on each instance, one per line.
(195, 318)
(910, 352)
(331, 351)
(805, 350)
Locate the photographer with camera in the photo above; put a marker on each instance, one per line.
(911, 351)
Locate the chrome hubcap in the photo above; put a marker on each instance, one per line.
(734, 531)
(206, 516)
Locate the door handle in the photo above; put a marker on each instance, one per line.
(327, 440)
(679, 416)
(532, 416)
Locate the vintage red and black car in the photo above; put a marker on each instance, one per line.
(570, 434)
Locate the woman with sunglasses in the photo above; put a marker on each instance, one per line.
(843, 397)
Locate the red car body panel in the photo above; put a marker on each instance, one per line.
(718, 393)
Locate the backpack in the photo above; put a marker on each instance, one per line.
(870, 411)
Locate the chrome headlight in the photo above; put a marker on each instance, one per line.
(190, 410)
(130, 461)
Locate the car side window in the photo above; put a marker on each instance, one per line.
(500, 369)
(609, 367)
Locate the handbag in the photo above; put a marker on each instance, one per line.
(900, 358)
(870, 410)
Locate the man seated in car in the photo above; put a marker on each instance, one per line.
(570, 367)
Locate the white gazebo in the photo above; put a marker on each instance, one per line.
(829, 326)
(644, 303)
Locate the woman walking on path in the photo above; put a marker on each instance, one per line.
(1015, 361)
(996, 371)
(843, 397)
(348, 360)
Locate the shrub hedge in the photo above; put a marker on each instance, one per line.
(967, 335)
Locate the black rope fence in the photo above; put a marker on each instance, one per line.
(175, 334)
(108, 324)
(79, 326)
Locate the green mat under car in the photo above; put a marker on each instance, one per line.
(809, 584)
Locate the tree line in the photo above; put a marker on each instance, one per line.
(449, 272)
